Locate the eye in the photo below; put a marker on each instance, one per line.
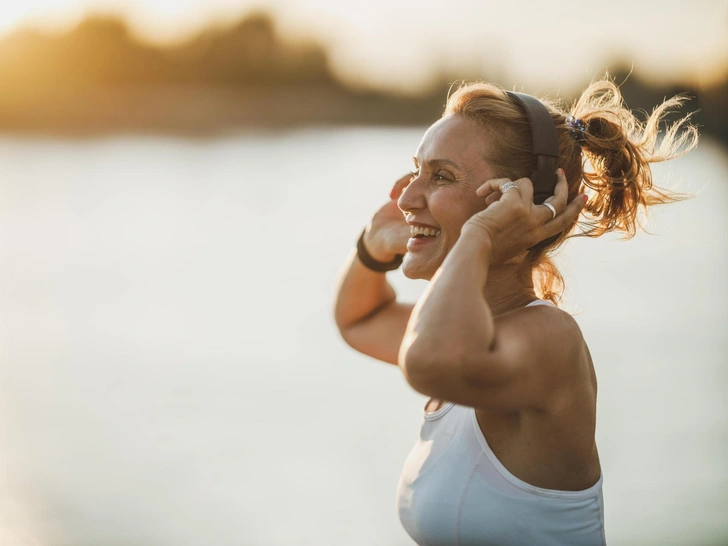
(438, 176)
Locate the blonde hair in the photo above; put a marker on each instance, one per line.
(612, 160)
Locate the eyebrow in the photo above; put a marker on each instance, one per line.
(438, 162)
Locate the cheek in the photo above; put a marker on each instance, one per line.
(452, 213)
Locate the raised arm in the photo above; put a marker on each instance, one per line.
(456, 350)
(366, 309)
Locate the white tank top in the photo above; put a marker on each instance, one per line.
(453, 491)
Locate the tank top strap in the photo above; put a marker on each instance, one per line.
(540, 302)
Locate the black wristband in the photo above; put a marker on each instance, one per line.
(371, 263)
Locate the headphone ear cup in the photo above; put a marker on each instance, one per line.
(539, 199)
(544, 179)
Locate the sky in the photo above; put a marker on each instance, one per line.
(401, 44)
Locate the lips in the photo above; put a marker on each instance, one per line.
(415, 243)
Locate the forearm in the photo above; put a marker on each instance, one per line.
(360, 294)
(452, 318)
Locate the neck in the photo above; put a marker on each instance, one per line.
(509, 286)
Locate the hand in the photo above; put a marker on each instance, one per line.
(387, 234)
(512, 223)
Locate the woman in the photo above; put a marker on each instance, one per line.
(506, 454)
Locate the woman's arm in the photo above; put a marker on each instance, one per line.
(368, 316)
(366, 309)
(454, 349)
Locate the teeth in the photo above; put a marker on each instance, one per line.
(427, 232)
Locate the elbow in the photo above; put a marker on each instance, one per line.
(348, 339)
(343, 322)
(419, 381)
(339, 318)
(427, 370)
(340, 326)
(344, 330)
(422, 368)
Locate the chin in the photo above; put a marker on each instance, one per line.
(414, 268)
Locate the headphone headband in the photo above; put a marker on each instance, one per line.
(545, 145)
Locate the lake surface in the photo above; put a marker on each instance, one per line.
(171, 375)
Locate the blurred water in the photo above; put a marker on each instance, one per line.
(170, 373)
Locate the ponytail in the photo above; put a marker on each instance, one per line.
(611, 156)
(619, 149)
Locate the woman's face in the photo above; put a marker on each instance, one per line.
(449, 167)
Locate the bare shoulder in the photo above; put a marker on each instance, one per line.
(537, 357)
(569, 365)
(543, 332)
(555, 316)
(545, 347)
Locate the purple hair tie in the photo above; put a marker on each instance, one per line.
(577, 128)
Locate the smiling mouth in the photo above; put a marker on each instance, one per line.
(417, 232)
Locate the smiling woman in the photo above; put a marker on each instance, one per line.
(506, 454)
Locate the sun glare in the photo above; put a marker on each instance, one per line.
(45, 14)
(398, 52)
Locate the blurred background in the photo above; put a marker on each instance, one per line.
(180, 183)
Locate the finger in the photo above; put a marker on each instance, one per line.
(490, 186)
(525, 188)
(566, 218)
(523, 192)
(561, 192)
(399, 186)
(558, 200)
(492, 198)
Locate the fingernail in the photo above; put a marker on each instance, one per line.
(391, 194)
(585, 198)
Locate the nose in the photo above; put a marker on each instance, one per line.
(413, 196)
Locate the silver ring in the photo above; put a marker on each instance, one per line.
(507, 186)
(553, 210)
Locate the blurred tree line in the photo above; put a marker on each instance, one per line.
(99, 78)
